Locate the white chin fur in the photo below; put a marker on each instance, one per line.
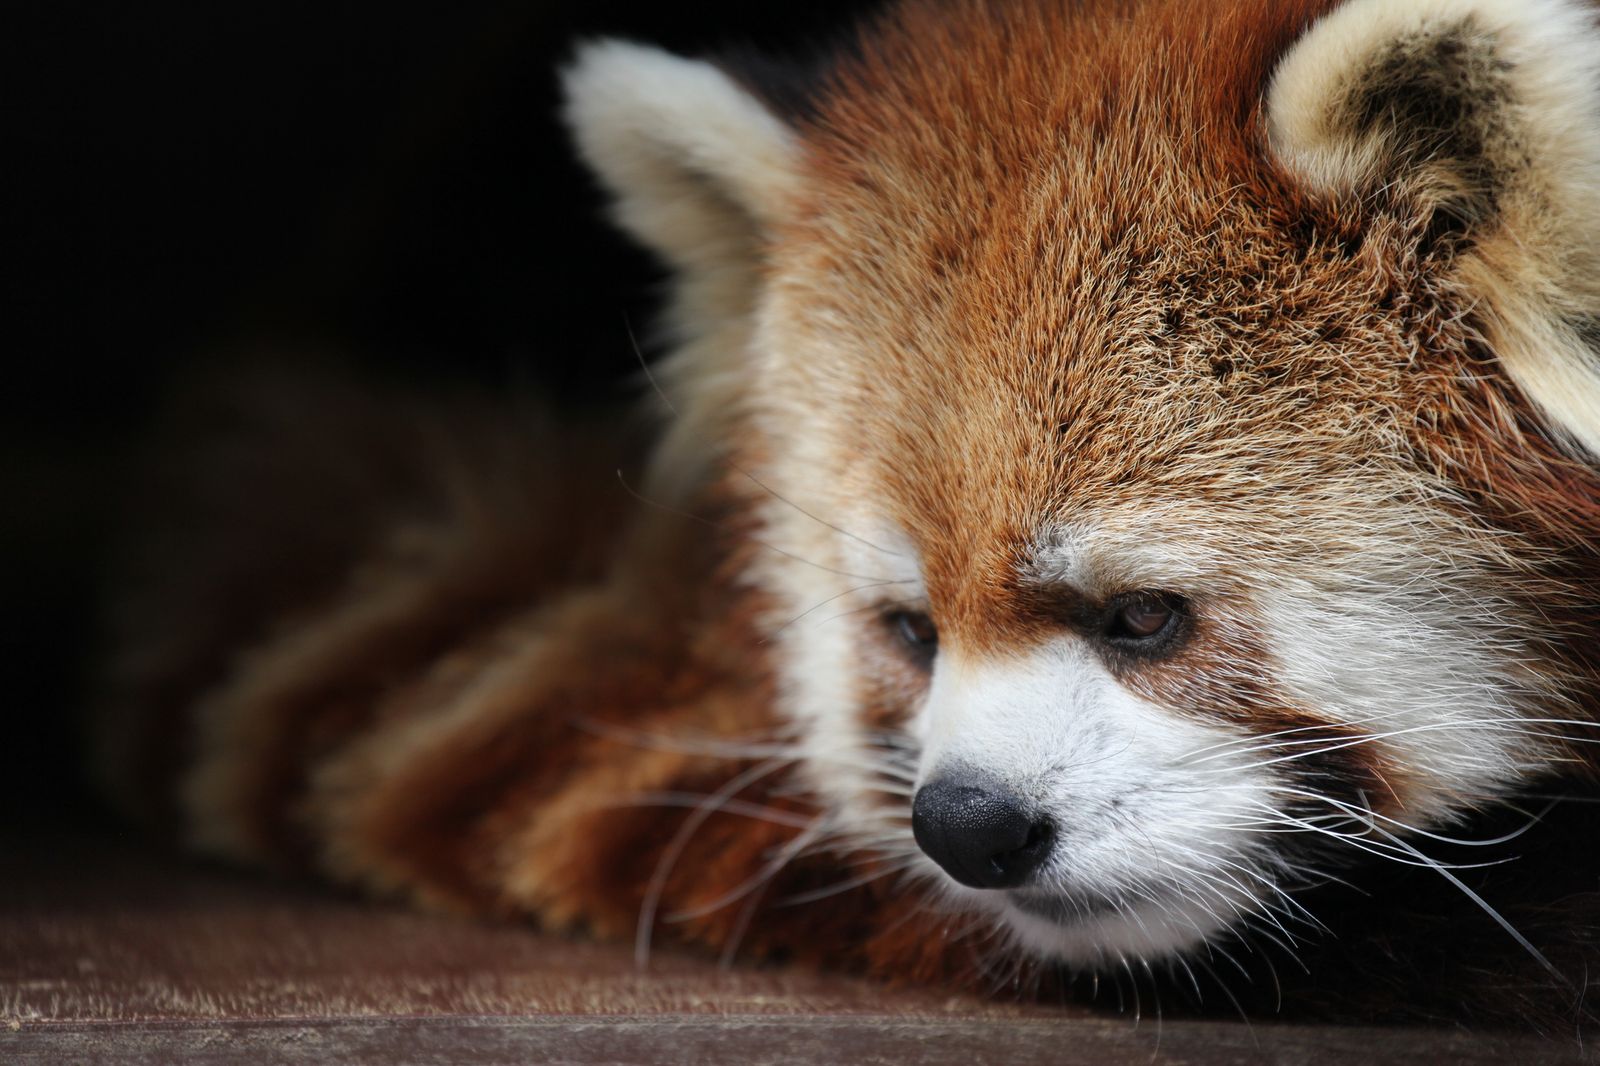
(1101, 936)
(1138, 931)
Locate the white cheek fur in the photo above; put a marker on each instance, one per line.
(1420, 674)
(823, 585)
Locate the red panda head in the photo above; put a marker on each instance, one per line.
(1174, 428)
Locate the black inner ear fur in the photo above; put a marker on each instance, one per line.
(1442, 100)
(1587, 327)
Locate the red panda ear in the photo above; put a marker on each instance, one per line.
(699, 171)
(694, 161)
(1481, 120)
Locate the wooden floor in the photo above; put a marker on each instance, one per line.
(113, 953)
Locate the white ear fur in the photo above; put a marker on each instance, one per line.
(678, 144)
(1517, 86)
(699, 171)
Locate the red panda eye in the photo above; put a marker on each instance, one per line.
(1142, 617)
(916, 630)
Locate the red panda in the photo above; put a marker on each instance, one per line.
(1129, 506)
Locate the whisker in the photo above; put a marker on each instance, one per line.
(820, 521)
(723, 528)
(774, 815)
(756, 880)
(1365, 814)
(1360, 842)
(1514, 725)
(837, 596)
(656, 385)
(741, 926)
(680, 841)
(850, 612)
(754, 746)
(1483, 904)
(841, 887)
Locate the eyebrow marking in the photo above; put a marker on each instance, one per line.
(1056, 557)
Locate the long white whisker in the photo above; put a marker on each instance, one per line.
(768, 871)
(680, 841)
(1483, 904)
(1364, 814)
(691, 516)
(817, 607)
(650, 376)
(845, 886)
(1513, 725)
(774, 815)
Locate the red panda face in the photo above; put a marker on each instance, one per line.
(1167, 502)
(1132, 558)
(1115, 566)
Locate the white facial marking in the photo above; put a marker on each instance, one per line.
(1149, 845)
(827, 586)
(1420, 675)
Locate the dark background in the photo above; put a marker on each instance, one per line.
(382, 185)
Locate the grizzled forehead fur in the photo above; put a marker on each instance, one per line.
(1056, 271)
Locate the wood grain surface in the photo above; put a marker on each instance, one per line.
(111, 952)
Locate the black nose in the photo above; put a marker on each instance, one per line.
(983, 836)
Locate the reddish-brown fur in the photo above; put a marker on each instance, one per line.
(475, 744)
